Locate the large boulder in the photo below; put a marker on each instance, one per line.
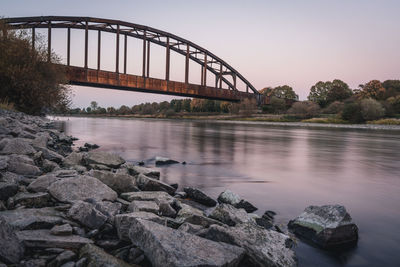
(23, 165)
(123, 222)
(329, 226)
(17, 146)
(7, 190)
(149, 184)
(103, 158)
(80, 188)
(263, 247)
(235, 200)
(136, 170)
(27, 219)
(199, 196)
(189, 214)
(32, 200)
(11, 249)
(98, 257)
(120, 183)
(73, 159)
(149, 206)
(42, 183)
(44, 239)
(230, 215)
(50, 155)
(164, 246)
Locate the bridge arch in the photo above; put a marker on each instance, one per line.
(224, 73)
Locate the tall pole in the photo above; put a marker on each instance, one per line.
(187, 65)
(86, 44)
(167, 59)
(117, 52)
(125, 51)
(98, 49)
(68, 46)
(144, 54)
(205, 70)
(148, 58)
(49, 42)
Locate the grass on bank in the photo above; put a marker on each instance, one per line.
(385, 122)
(326, 120)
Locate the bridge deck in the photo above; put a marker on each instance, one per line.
(129, 82)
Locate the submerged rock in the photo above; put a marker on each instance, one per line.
(199, 196)
(165, 161)
(164, 246)
(328, 226)
(263, 247)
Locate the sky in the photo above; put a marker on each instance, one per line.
(270, 43)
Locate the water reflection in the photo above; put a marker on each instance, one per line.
(276, 167)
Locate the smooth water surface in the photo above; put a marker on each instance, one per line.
(278, 168)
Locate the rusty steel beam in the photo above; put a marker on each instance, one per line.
(167, 60)
(49, 42)
(205, 71)
(148, 59)
(98, 49)
(117, 51)
(144, 55)
(68, 46)
(187, 65)
(125, 51)
(86, 44)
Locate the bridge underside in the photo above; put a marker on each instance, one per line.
(130, 82)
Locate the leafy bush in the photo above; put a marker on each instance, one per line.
(371, 109)
(304, 109)
(27, 79)
(276, 106)
(352, 112)
(334, 108)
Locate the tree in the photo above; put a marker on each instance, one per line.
(373, 89)
(338, 91)
(334, 108)
(124, 110)
(352, 112)
(392, 88)
(284, 92)
(93, 105)
(27, 79)
(276, 105)
(319, 93)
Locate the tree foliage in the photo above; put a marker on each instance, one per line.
(373, 89)
(324, 93)
(284, 92)
(304, 109)
(27, 79)
(371, 109)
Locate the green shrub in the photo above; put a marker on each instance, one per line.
(352, 112)
(304, 109)
(334, 108)
(371, 109)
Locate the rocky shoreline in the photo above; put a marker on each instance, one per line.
(60, 207)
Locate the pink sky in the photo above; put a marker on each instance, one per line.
(270, 42)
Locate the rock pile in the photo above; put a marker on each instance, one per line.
(65, 208)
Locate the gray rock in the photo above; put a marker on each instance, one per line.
(32, 200)
(138, 205)
(21, 164)
(64, 229)
(157, 196)
(7, 190)
(235, 200)
(263, 247)
(62, 258)
(103, 158)
(81, 263)
(50, 155)
(110, 209)
(164, 246)
(3, 162)
(136, 170)
(33, 263)
(80, 188)
(97, 257)
(329, 226)
(44, 239)
(41, 140)
(68, 264)
(165, 161)
(190, 228)
(123, 222)
(11, 249)
(17, 146)
(149, 184)
(165, 209)
(41, 183)
(229, 215)
(199, 196)
(86, 214)
(188, 214)
(73, 159)
(49, 166)
(121, 183)
(24, 219)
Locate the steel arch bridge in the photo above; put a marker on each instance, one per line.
(226, 77)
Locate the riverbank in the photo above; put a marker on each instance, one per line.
(61, 207)
(273, 120)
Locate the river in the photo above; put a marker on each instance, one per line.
(275, 167)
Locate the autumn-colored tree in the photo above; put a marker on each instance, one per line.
(27, 79)
(372, 89)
